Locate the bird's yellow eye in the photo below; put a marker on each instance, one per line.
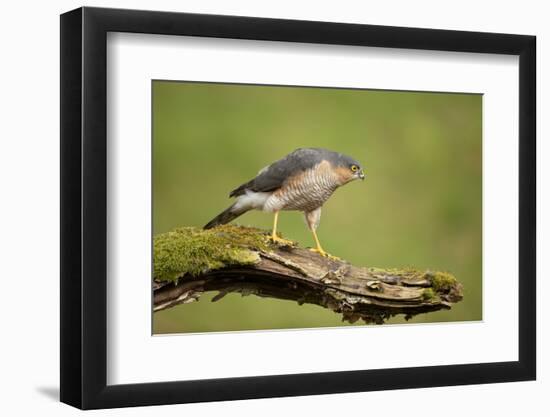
(354, 168)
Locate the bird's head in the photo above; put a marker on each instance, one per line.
(348, 169)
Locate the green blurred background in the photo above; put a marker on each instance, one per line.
(419, 206)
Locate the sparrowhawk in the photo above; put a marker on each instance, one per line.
(303, 180)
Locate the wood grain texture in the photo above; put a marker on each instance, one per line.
(291, 273)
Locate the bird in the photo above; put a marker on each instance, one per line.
(302, 181)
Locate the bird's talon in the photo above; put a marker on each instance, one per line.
(319, 251)
(280, 241)
(325, 254)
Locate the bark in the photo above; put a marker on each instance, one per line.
(291, 273)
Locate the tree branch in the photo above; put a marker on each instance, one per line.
(229, 259)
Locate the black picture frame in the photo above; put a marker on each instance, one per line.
(84, 207)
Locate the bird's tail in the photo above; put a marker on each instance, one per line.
(226, 216)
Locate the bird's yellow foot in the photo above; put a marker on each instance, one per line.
(280, 241)
(321, 252)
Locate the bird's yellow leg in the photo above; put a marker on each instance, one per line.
(319, 249)
(274, 236)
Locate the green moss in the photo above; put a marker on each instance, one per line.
(403, 272)
(428, 294)
(407, 273)
(441, 281)
(189, 250)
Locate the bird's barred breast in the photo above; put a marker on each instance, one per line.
(305, 191)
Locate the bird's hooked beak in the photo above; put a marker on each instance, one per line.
(361, 175)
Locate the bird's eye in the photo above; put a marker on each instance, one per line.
(354, 168)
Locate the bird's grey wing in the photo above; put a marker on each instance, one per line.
(273, 176)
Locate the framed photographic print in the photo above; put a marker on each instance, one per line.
(258, 207)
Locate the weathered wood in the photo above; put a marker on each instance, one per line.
(298, 274)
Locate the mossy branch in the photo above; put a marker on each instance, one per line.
(190, 261)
